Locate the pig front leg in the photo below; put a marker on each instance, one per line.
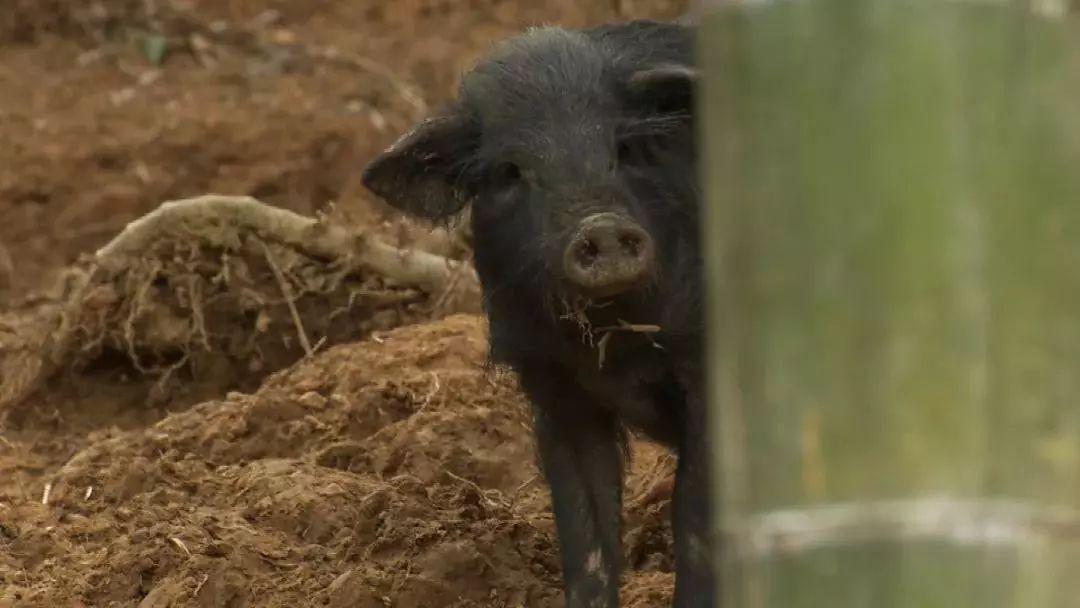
(581, 452)
(696, 580)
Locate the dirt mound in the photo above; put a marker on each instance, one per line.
(394, 472)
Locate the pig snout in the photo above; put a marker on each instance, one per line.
(608, 255)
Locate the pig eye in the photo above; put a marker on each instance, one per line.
(506, 174)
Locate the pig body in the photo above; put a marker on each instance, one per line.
(576, 152)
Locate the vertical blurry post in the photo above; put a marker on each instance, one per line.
(893, 249)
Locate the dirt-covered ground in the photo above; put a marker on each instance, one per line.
(185, 451)
(392, 472)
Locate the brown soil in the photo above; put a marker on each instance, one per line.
(280, 99)
(390, 468)
(392, 472)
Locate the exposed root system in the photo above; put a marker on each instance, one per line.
(224, 286)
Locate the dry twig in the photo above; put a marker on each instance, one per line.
(608, 330)
(287, 293)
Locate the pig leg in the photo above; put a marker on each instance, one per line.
(581, 452)
(695, 578)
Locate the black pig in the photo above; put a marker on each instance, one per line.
(576, 152)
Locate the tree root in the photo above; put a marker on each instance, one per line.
(219, 221)
(224, 277)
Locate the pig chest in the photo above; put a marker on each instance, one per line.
(638, 384)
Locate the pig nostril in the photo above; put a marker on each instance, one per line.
(631, 244)
(587, 253)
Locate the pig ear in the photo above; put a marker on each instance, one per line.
(668, 88)
(421, 173)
